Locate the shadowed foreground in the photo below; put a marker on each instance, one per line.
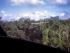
(13, 45)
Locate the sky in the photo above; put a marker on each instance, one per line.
(34, 9)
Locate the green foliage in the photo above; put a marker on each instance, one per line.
(55, 32)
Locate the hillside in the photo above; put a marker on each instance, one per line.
(53, 32)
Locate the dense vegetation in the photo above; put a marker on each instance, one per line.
(53, 32)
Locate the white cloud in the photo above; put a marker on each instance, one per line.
(60, 1)
(4, 13)
(32, 15)
(16, 2)
(33, 2)
(37, 2)
(62, 14)
(36, 15)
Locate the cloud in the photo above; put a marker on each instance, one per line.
(63, 14)
(2, 11)
(36, 15)
(5, 15)
(33, 2)
(60, 1)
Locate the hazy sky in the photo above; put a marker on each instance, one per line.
(35, 9)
